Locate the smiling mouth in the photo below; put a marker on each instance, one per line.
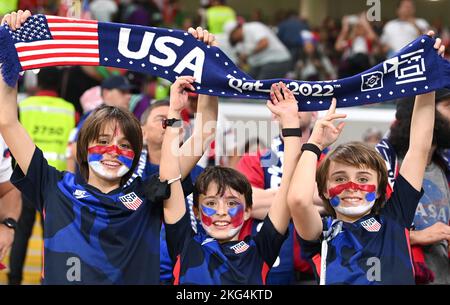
(111, 164)
(351, 200)
(221, 224)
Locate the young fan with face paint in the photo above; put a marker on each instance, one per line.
(367, 239)
(96, 230)
(223, 201)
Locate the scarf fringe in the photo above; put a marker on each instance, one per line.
(9, 61)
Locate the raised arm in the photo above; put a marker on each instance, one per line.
(205, 121)
(174, 207)
(421, 133)
(305, 215)
(284, 105)
(15, 136)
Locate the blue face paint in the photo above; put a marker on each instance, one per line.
(335, 201)
(233, 211)
(371, 197)
(208, 211)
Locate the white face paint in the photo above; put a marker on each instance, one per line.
(99, 169)
(356, 210)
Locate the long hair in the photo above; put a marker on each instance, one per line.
(94, 125)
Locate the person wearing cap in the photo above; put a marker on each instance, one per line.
(115, 91)
(430, 231)
(259, 47)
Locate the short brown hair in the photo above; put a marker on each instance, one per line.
(94, 125)
(224, 177)
(356, 154)
(154, 104)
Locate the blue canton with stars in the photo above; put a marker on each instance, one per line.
(34, 29)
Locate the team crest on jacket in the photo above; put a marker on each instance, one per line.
(240, 247)
(131, 201)
(371, 225)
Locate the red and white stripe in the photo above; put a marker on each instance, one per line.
(371, 225)
(134, 205)
(240, 247)
(75, 42)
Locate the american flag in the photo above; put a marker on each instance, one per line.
(131, 201)
(45, 40)
(371, 225)
(240, 247)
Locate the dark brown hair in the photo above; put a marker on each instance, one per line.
(94, 125)
(224, 177)
(356, 154)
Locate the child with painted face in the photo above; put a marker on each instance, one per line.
(96, 230)
(366, 241)
(222, 202)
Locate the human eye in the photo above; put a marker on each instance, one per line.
(102, 141)
(209, 204)
(232, 204)
(363, 179)
(339, 179)
(125, 146)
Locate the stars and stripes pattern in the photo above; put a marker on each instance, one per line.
(371, 225)
(240, 247)
(45, 40)
(131, 201)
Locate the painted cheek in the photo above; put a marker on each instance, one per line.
(237, 215)
(370, 197)
(207, 214)
(335, 201)
(125, 161)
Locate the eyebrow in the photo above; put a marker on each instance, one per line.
(215, 197)
(344, 173)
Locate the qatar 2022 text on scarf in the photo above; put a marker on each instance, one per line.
(56, 41)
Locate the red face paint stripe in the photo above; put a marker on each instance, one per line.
(98, 149)
(352, 186)
(206, 220)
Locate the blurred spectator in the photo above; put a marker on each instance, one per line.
(140, 12)
(399, 32)
(48, 120)
(372, 136)
(430, 231)
(8, 6)
(289, 32)
(313, 64)
(355, 41)
(217, 15)
(91, 99)
(173, 14)
(10, 203)
(257, 45)
(103, 10)
(328, 34)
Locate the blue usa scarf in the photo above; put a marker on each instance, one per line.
(54, 41)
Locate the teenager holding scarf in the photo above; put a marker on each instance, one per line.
(95, 230)
(367, 240)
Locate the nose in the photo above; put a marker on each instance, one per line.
(221, 210)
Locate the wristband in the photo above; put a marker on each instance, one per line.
(170, 181)
(291, 132)
(312, 147)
